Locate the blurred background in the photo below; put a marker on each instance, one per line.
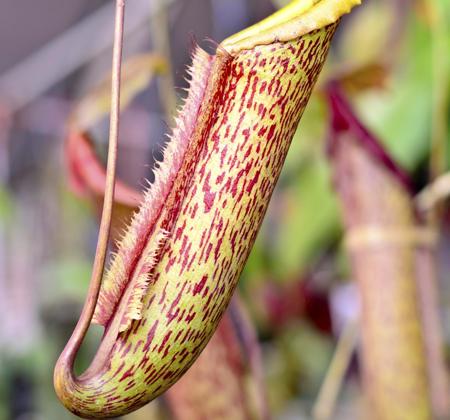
(297, 285)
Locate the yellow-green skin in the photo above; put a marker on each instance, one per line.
(179, 263)
(381, 224)
(226, 381)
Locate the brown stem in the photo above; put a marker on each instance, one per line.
(432, 327)
(431, 203)
(68, 356)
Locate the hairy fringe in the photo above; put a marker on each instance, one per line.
(139, 243)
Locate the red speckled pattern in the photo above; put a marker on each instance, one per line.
(226, 380)
(210, 218)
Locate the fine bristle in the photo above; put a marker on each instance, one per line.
(139, 244)
(140, 281)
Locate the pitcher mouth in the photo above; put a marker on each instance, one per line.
(294, 20)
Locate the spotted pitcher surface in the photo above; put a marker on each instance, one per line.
(180, 259)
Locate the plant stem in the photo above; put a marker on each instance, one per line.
(426, 257)
(105, 224)
(441, 84)
(68, 356)
(434, 193)
(432, 330)
(326, 400)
